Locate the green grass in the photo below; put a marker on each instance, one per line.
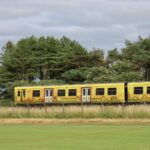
(74, 137)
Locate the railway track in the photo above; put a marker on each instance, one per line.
(84, 104)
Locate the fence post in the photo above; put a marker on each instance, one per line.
(63, 108)
(102, 105)
(82, 107)
(45, 108)
(12, 105)
(144, 103)
(123, 108)
(40, 107)
(28, 108)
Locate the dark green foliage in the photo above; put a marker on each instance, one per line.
(113, 56)
(96, 58)
(75, 75)
(44, 57)
(6, 102)
(48, 82)
(138, 53)
(120, 71)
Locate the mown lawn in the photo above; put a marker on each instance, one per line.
(74, 137)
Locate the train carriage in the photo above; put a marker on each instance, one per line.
(86, 93)
(108, 93)
(139, 92)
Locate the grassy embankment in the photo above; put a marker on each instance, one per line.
(98, 111)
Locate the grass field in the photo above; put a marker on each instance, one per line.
(74, 137)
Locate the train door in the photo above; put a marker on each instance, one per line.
(48, 95)
(18, 96)
(21, 95)
(86, 94)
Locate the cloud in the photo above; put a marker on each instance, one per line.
(98, 23)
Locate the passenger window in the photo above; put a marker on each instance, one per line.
(72, 92)
(112, 91)
(100, 91)
(18, 93)
(138, 90)
(36, 93)
(61, 93)
(148, 90)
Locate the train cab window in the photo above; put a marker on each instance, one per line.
(112, 91)
(148, 90)
(100, 91)
(72, 92)
(18, 93)
(61, 93)
(36, 93)
(24, 93)
(138, 90)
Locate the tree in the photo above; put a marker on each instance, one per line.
(47, 52)
(17, 61)
(139, 54)
(99, 74)
(44, 58)
(96, 58)
(113, 56)
(118, 72)
(75, 75)
(71, 55)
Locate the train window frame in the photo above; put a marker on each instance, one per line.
(112, 91)
(148, 90)
(137, 91)
(61, 92)
(73, 92)
(19, 93)
(99, 91)
(36, 93)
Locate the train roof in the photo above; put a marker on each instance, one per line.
(84, 84)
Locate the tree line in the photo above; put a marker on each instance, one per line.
(49, 60)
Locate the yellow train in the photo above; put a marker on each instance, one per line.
(86, 93)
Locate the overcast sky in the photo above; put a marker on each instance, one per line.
(101, 24)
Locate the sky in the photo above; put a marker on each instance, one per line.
(103, 24)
